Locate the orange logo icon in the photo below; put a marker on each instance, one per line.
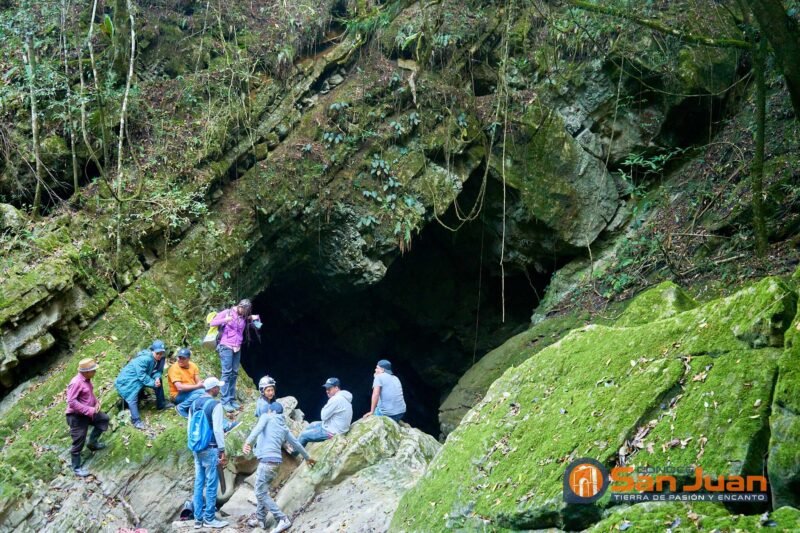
(586, 480)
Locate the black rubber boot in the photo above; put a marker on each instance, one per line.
(76, 466)
(93, 444)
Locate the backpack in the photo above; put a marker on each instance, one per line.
(200, 431)
(214, 333)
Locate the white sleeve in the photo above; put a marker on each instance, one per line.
(217, 421)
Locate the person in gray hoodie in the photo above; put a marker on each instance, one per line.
(336, 415)
(270, 433)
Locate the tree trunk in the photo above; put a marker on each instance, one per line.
(30, 63)
(101, 106)
(75, 183)
(784, 36)
(757, 169)
(122, 129)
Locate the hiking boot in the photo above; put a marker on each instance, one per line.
(168, 405)
(95, 446)
(283, 525)
(80, 471)
(139, 425)
(198, 524)
(216, 524)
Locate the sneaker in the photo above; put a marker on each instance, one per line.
(168, 405)
(95, 446)
(216, 524)
(233, 425)
(253, 521)
(81, 472)
(139, 425)
(283, 525)
(198, 524)
(236, 405)
(229, 408)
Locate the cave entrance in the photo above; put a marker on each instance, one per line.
(428, 316)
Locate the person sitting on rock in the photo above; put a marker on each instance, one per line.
(185, 385)
(267, 402)
(234, 324)
(271, 434)
(142, 371)
(206, 477)
(336, 415)
(83, 410)
(387, 393)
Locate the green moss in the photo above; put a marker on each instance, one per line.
(586, 395)
(472, 386)
(723, 409)
(662, 301)
(784, 446)
(684, 517)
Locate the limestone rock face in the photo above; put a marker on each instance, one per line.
(567, 197)
(359, 477)
(692, 388)
(355, 485)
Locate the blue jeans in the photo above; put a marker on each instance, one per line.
(230, 371)
(396, 418)
(313, 433)
(133, 402)
(264, 475)
(205, 477)
(184, 400)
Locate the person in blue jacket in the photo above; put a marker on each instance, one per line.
(142, 371)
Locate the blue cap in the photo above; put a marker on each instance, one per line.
(184, 352)
(158, 346)
(264, 407)
(386, 365)
(332, 382)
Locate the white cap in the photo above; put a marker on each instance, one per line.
(210, 383)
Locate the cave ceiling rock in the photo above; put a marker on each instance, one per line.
(567, 197)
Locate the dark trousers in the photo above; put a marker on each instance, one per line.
(79, 427)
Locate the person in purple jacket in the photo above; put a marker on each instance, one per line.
(83, 410)
(233, 324)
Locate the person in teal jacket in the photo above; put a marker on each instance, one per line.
(142, 371)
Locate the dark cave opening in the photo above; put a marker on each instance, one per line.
(437, 310)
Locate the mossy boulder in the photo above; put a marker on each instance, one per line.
(366, 470)
(472, 386)
(662, 301)
(695, 374)
(684, 517)
(784, 451)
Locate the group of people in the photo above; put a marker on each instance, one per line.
(189, 394)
